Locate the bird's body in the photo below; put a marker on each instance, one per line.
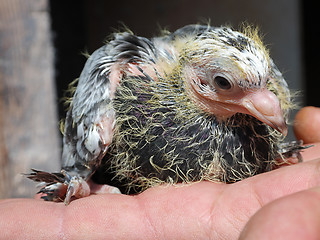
(161, 135)
(202, 103)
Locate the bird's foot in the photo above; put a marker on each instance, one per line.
(58, 187)
(77, 187)
(290, 152)
(61, 186)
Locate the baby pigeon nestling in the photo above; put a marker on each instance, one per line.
(201, 103)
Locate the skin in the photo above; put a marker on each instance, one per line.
(281, 204)
(305, 126)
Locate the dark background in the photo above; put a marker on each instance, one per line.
(311, 50)
(290, 29)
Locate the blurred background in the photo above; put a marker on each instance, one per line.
(41, 46)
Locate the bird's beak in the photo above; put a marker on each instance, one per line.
(265, 106)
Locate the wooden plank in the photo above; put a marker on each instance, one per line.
(29, 129)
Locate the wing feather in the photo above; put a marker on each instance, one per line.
(90, 119)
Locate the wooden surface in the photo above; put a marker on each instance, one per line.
(28, 123)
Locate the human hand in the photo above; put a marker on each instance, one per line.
(202, 210)
(295, 216)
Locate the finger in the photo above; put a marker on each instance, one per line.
(159, 213)
(169, 212)
(296, 216)
(307, 125)
(244, 198)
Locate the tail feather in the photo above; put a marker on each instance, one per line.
(42, 176)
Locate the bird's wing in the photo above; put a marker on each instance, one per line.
(89, 122)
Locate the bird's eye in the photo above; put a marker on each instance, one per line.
(222, 83)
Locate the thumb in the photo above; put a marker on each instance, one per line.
(307, 125)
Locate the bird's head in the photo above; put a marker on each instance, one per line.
(228, 72)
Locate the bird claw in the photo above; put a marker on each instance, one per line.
(77, 187)
(292, 150)
(60, 186)
(53, 192)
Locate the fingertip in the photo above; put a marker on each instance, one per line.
(307, 124)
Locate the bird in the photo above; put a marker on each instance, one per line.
(200, 103)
